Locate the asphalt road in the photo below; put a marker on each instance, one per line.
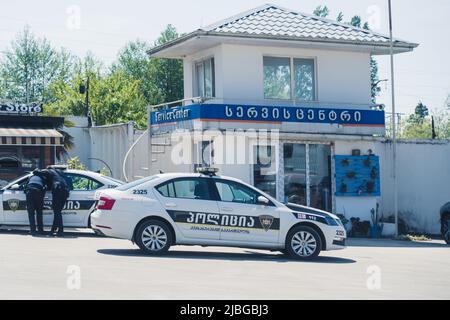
(83, 266)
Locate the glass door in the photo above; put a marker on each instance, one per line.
(295, 173)
(307, 175)
(320, 194)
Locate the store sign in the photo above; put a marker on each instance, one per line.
(265, 114)
(17, 108)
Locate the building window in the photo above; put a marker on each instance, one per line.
(289, 79)
(277, 78)
(205, 78)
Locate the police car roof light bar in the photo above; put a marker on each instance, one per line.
(208, 171)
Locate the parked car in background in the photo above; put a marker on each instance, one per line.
(77, 211)
(445, 222)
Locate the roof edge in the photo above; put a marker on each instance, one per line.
(397, 43)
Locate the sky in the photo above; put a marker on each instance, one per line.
(104, 27)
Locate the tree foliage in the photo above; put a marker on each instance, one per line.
(356, 21)
(419, 125)
(32, 70)
(161, 79)
(30, 67)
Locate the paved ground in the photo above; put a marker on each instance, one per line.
(42, 268)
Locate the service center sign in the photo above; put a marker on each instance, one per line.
(267, 115)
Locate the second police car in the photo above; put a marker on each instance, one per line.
(208, 210)
(76, 212)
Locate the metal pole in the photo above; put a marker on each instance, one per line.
(88, 108)
(394, 125)
(149, 140)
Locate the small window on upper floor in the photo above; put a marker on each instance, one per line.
(289, 79)
(205, 78)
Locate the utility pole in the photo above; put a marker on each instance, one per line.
(394, 124)
(84, 89)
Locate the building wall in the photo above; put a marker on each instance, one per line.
(80, 134)
(423, 176)
(342, 77)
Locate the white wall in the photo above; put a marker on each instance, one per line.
(81, 139)
(343, 77)
(423, 179)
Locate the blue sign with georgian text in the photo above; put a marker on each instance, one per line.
(266, 114)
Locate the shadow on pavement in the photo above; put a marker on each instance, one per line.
(70, 234)
(247, 256)
(388, 243)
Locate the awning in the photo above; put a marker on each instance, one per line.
(30, 137)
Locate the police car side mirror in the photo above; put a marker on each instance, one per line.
(15, 187)
(263, 201)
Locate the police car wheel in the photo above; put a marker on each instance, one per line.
(154, 237)
(303, 243)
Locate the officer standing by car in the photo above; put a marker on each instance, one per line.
(35, 193)
(60, 193)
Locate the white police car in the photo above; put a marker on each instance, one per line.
(76, 213)
(208, 210)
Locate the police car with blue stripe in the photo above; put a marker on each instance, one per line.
(77, 210)
(210, 210)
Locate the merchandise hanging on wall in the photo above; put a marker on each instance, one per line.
(358, 176)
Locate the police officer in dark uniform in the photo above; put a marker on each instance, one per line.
(60, 193)
(35, 193)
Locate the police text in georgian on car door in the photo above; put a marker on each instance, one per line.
(189, 203)
(244, 217)
(81, 201)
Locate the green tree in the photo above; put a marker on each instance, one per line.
(409, 130)
(134, 61)
(356, 21)
(113, 97)
(29, 68)
(119, 100)
(322, 11)
(420, 113)
(168, 72)
(67, 98)
(161, 80)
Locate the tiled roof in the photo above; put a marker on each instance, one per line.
(274, 21)
(271, 22)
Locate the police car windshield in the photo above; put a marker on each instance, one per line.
(131, 185)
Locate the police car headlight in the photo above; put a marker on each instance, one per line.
(332, 222)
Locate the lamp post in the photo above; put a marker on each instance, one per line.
(394, 124)
(84, 89)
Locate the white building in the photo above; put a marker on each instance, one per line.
(277, 69)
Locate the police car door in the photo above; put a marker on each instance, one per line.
(81, 200)
(243, 219)
(188, 202)
(14, 203)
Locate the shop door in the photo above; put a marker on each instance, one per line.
(307, 175)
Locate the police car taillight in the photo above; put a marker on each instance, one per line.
(105, 203)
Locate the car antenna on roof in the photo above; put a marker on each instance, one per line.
(161, 172)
